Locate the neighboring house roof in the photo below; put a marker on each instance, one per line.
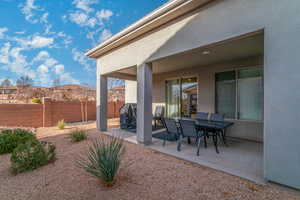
(158, 17)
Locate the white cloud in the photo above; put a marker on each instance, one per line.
(4, 53)
(42, 72)
(82, 59)
(2, 31)
(33, 42)
(104, 14)
(13, 60)
(79, 18)
(85, 4)
(85, 15)
(59, 69)
(33, 13)
(28, 9)
(41, 68)
(67, 39)
(44, 18)
(82, 19)
(105, 35)
(43, 56)
(39, 42)
(66, 77)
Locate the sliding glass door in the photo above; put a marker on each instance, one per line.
(181, 97)
(173, 98)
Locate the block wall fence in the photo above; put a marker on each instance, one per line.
(50, 112)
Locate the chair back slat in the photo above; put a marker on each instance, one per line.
(188, 128)
(202, 115)
(170, 125)
(217, 117)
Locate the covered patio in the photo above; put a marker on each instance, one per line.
(244, 154)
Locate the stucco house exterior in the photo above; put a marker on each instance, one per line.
(237, 57)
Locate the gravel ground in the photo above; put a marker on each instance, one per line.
(145, 175)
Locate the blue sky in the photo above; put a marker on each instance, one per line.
(46, 39)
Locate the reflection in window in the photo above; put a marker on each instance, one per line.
(239, 94)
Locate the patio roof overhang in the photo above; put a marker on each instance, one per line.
(243, 47)
(166, 13)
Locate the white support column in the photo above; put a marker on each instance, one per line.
(144, 103)
(101, 102)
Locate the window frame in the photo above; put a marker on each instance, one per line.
(236, 69)
(180, 82)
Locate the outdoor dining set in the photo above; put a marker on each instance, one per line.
(203, 126)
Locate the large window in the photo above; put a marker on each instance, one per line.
(239, 94)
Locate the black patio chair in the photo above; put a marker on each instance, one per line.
(171, 128)
(133, 115)
(216, 117)
(158, 114)
(188, 129)
(202, 115)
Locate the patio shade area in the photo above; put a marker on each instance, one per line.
(222, 77)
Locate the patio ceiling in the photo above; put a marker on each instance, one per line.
(237, 48)
(226, 51)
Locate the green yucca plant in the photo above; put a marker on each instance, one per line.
(103, 159)
(61, 124)
(78, 135)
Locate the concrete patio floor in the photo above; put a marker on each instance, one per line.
(241, 158)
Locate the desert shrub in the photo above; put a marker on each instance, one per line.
(61, 124)
(36, 100)
(78, 135)
(31, 155)
(10, 139)
(103, 159)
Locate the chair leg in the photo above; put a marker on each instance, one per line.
(205, 141)
(165, 138)
(179, 143)
(198, 145)
(215, 139)
(189, 140)
(224, 138)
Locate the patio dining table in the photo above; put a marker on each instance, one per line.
(209, 126)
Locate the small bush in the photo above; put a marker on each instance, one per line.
(61, 124)
(103, 159)
(10, 139)
(36, 100)
(78, 135)
(31, 155)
